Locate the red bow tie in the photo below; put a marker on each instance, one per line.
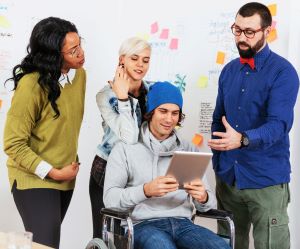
(249, 61)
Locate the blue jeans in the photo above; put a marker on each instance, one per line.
(172, 233)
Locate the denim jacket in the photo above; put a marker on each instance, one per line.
(121, 120)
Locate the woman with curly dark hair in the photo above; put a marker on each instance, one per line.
(42, 127)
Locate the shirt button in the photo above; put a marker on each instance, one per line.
(239, 108)
(236, 126)
(247, 73)
(243, 90)
(235, 161)
(274, 221)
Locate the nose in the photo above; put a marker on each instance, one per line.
(169, 117)
(140, 63)
(242, 37)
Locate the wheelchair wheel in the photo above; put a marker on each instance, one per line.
(96, 244)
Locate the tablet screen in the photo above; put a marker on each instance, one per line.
(187, 166)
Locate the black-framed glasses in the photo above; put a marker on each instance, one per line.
(249, 33)
(74, 52)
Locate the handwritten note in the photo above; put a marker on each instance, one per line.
(220, 58)
(154, 28)
(205, 117)
(164, 34)
(174, 44)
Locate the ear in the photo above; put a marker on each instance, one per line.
(268, 30)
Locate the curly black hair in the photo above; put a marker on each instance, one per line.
(44, 56)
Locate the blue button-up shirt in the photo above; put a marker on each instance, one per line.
(259, 102)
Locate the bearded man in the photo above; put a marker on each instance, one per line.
(250, 133)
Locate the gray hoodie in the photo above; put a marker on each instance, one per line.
(129, 167)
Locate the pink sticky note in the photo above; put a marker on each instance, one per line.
(164, 34)
(174, 43)
(154, 28)
(273, 24)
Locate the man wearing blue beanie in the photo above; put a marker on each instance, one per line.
(161, 93)
(136, 180)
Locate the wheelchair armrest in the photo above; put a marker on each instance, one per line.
(115, 212)
(215, 214)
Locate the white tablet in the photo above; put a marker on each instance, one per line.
(187, 166)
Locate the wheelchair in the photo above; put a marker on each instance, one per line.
(115, 237)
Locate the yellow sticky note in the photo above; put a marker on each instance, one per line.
(4, 23)
(220, 57)
(143, 36)
(272, 35)
(197, 139)
(273, 9)
(202, 81)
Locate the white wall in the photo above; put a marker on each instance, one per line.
(202, 30)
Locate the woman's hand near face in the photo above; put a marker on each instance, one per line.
(120, 84)
(67, 173)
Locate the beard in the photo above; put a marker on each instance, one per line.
(251, 51)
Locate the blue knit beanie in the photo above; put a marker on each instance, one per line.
(163, 93)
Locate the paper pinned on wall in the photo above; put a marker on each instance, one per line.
(273, 24)
(4, 23)
(154, 28)
(143, 36)
(197, 139)
(220, 58)
(273, 9)
(1, 103)
(272, 35)
(174, 44)
(164, 34)
(202, 82)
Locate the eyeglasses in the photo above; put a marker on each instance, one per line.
(249, 33)
(74, 52)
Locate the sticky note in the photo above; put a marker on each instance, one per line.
(273, 24)
(4, 23)
(1, 103)
(143, 36)
(272, 35)
(174, 44)
(154, 28)
(202, 81)
(164, 34)
(197, 139)
(273, 9)
(220, 58)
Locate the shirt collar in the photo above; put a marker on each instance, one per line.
(260, 58)
(67, 78)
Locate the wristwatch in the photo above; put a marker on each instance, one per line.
(244, 140)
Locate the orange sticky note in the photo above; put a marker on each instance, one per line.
(164, 34)
(0, 103)
(272, 35)
(220, 58)
(197, 139)
(174, 44)
(273, 9)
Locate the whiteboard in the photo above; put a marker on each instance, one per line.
(191, 43)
